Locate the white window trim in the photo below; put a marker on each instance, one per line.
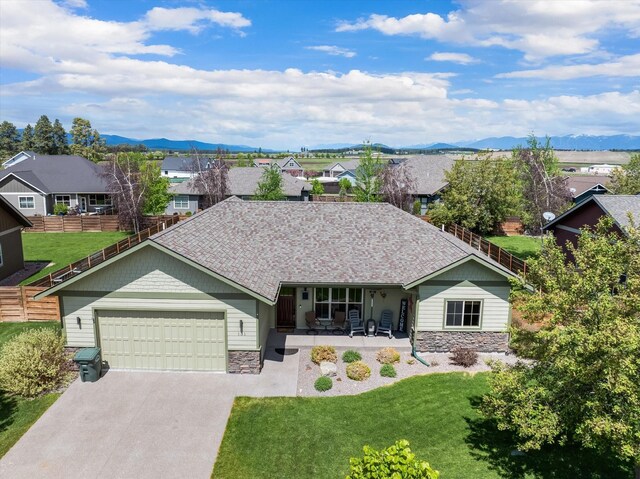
(175, 206)
(330, 302)
(462, 327)
(33, 200)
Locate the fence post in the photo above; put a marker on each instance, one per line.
(23, 301)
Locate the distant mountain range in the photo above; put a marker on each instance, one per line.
(183, 145)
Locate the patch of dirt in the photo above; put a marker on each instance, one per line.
(30, 268)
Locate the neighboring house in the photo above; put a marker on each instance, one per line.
(566, 227)
(204, 294)
(14, 160)
(182, 167)
(603, 169)
(583, 187)
(35, 184)
(284, 165)
(349, 175)
(335, 169)
(428, 173)
(11, 224)
(242, 183)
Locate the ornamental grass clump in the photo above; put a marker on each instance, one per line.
(34, 363)
(358, 371)
(350, 356)
(324, 353)
(388, 356)
(388, 371)
(323, 383)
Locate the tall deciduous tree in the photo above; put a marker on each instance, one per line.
(584, 383)
(368, 172)
(26, 140)
(43, 141)
(210, 178)
(270, 186)
(397, 185)
(9, 140)
(480, 195)
(316, 187)
(544, 188)
(626, 179)
(61, 145)
(133, 183)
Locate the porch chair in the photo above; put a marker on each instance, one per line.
(355, 325)
(312, 322)
(339, 322)
(386, 323)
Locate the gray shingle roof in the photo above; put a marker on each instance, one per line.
(619, 207)
(244, 181)
(260, 245)
(346, 164)
(183, 163)
(428, 172)
(582, 183)
(59, 174)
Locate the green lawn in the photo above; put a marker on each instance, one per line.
(314, 437)
(17, 414)
(524, 247)
(64, 248)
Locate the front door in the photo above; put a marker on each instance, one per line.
(83, 204)
(286, 309)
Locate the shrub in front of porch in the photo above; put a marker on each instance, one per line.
(388, 371)
(358, 371)
(324, 353)
(323, 383)
(388, 356)
(350, 356)
(466, 357)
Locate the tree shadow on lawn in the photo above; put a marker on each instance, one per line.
(490, 445)
(8, 406)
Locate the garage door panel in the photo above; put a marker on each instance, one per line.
(163, 340)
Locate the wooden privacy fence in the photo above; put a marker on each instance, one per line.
(506, 259)
(17, 304)
(101, 256)
(89, 223)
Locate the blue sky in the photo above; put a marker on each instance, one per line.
(290, 73)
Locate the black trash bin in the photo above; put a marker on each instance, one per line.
(89, 363)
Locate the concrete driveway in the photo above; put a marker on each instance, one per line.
(138, 425)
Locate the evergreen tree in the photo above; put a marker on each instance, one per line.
(9, 140)
(60, 138)
(43, 141)
(26, 141)
(626, 179)
(368, 183)
(86, 141)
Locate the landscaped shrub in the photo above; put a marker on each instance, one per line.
(388, 371)
(323, 383)
(34, 362)
(358, 371)
(388, 356)
(394, 461)
(324, 353)
(188, 213)
(60, 209)
(350, 356)
(466, 357)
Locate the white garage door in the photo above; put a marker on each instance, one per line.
(174, 340)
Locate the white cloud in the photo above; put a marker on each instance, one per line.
(626, 66)
(333, 50)
(75, 3)
(192, 19)
(539, 28)
(461, 58)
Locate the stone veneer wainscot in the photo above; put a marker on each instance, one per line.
(445, 341)
(244, 362)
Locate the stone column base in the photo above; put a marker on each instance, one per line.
(244, 362)
(445, 341)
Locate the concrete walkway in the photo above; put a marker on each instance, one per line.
(141, 424)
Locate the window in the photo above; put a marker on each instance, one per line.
(26, 202)
(63, 200)
(99, 200)
(463, 314)
(181, 202)
(330, 300)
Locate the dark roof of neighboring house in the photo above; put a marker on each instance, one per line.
(59, 174)
(13, 211)
(183, 163)
(616, 206)
(244, 181)
(583, 183)
(428, 172)
(370, 243)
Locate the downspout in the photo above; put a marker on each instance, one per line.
(414, 353)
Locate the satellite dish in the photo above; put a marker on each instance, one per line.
(572, 190)
(548, 215)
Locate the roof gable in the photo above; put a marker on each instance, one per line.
(14, 212)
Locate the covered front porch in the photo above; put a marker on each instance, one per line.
(300, 339)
